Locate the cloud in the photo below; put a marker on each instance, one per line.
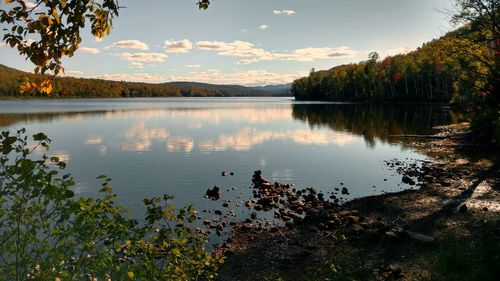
(137, 60)
(140, 138)
(310, 54)
(176, 144)
(250, 54)
(263, 27)
(90, 50)
(284, 12)
(247, 138)
(72, 72)
(251, 77)
(398, 51)
(93, 140)
(182, 46)
(62, 155)
(135, 77)
(193, 66)
(130, 44)
(234, 49)
(30, 5)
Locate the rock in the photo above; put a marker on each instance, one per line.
(213, 193)
(258, 207)
(421, 237)
(313, 229)
(345, 191)
(346, 213)
(225, 205)
(352, 219)
(218, 212)
(463, 209)
(355, 228)
(219, 227)
(232, 174)
(224, 174)
(253, 215)
(249, 204)
(371, 235)
(445, 183)
(406, 179)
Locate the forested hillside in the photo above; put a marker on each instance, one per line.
(434, 72)
(69, 87)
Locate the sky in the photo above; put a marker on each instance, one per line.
(247, 42)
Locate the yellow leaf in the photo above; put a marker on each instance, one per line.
(130, 275)
(176, 252)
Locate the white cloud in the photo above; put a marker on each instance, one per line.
(182, 46)
(246, 138)
(193, 66)
(90, 50)
(30, 5)
(134, 77)
(130, 44)
(176, 144)
(263, 27)
(250, 54)
(310, 54)
(73, 73)
(284, 12)
(394, 52)
(93, 140)
(251, 77)
(137, 60)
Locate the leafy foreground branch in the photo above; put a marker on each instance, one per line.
(46, 233)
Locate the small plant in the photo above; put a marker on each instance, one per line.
(48, 234)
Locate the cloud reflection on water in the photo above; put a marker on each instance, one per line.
(141, 136)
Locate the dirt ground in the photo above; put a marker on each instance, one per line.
(398, 236)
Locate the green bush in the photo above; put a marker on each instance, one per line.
(486, 125)
(46, 233)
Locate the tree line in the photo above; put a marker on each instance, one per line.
(69, 87)
(428, 74)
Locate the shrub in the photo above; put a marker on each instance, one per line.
(46, 233)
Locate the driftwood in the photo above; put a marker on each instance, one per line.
(421, 136)
(436, 137)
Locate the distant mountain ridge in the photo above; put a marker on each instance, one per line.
(95, 88)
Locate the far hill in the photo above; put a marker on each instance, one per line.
(94, 88)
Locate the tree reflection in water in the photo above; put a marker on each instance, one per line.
(374, 121)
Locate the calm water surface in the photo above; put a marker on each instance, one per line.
(180, 146)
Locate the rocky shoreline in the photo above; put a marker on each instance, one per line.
(384, 237)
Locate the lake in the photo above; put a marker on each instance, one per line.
(180, 146)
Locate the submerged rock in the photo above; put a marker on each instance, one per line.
(213, 193)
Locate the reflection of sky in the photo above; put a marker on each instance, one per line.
(145, 130)
(180, 147)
